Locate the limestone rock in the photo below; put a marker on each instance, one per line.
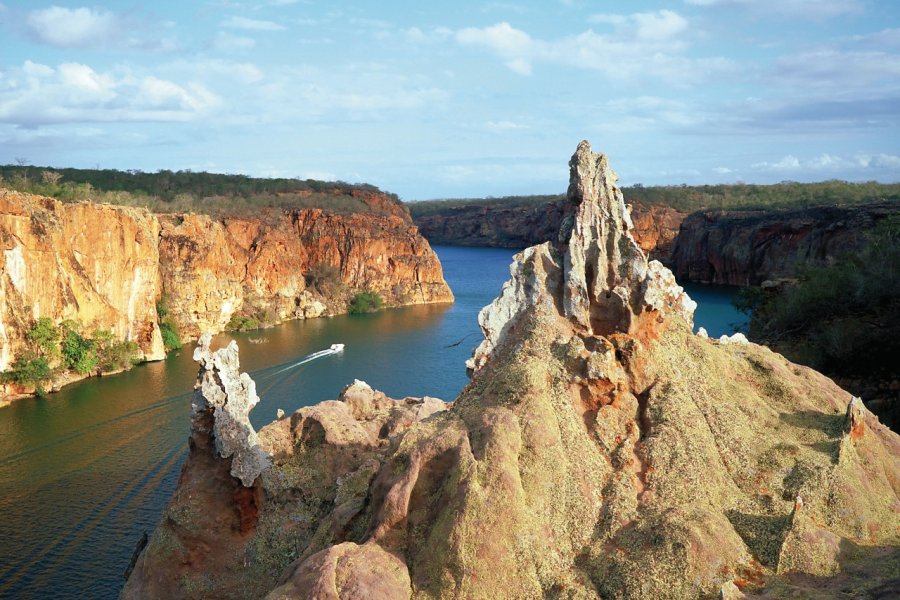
(535, 280)
(231, 396)
(735, 338)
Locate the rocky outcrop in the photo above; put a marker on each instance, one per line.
(600, 450)
(289, 265)
(751, 247)
(94, 264)
(655, 227)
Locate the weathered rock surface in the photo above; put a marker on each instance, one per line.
(289, 265)
(751, 247)
(600, 450)
(230, 395)
(655, 227)
(92, 263)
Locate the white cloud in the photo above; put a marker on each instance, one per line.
(840, 69)
(73, 28)
(416, 35)
(642, 44)
(812, 9)
(834, 163)
(722, 170)
(251, 24)
(226, 42)
(504, 125)
(38, 94)
(653, 26)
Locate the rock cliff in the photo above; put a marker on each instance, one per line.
(105, 267)
(600, 450)
(94, 264)
(750, 247)
(655, 227)
(291, 264)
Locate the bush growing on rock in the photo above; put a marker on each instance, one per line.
(242, 323)
(29, 370)
(366, 302)
(168, 329)
(78, 352)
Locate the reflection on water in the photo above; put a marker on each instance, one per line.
(84, 472)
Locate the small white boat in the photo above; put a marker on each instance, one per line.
(337, 347)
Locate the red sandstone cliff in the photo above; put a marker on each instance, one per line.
(94, 264)
(105, 267)
(291, 264)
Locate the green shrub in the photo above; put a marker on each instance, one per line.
(366, 302)
(167, 328)
(840, 318)
(112, 354)
(78, 352)
(29, 369)
(242, 323)
(44, 336)
(171, 339)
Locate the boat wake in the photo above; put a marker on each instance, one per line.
(334, 349)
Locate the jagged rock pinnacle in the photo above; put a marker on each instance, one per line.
(597, 277)
(231, 396)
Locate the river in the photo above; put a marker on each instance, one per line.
(85, 471)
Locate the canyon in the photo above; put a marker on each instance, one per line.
(601, 449)
(730, 247)
(109, 267)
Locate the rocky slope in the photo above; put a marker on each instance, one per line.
(600, 450)
(655, 227)
(106, 267)
(750, 247)
(92, 263)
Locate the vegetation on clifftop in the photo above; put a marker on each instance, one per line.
(188, 191)
(690, 198)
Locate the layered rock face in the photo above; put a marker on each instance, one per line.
(750, 247)
(94, 264)
(288, 265)
(600, 450)
(655, 227)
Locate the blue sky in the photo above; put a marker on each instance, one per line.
(462, 98)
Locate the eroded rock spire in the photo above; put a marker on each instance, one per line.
(597, 276)
(231, 395)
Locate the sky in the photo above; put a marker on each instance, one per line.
(456, 99)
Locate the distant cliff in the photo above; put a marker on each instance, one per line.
(733, 247)
(103, 267)
(655, 227)
(750, 247)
